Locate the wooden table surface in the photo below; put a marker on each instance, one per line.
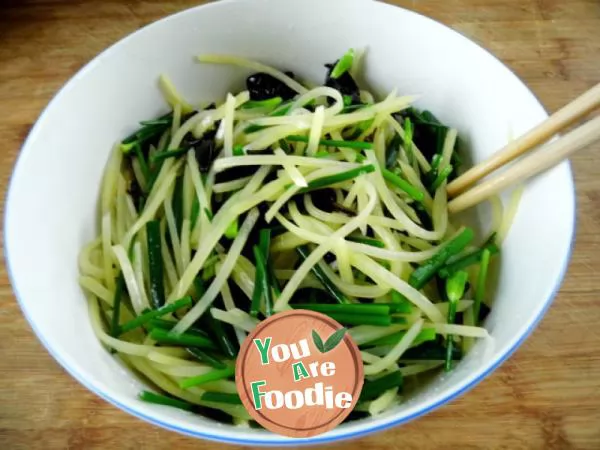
(547, 396)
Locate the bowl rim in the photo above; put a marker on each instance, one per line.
(366, 429)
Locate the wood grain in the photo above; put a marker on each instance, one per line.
(547, 396)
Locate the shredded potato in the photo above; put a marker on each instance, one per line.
(286, 196)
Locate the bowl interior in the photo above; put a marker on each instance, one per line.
(51, 208)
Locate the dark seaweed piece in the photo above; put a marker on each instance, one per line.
(235, 173)
(392, 151)
(329, 257)
(357, 415)
(263, 86)
(137, 193)
(324, 199)
(484, 311)
(344, 83)
(428, 133)
(423, 216)
(204, 148)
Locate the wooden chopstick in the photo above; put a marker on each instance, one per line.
(569, 114)
(548, 156)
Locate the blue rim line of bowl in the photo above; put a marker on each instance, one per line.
(283, 441)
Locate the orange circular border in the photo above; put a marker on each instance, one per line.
(286, 430)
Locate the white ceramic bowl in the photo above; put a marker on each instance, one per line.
(51, 206)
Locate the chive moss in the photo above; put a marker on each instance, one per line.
(161, 156)
(331, 288)
(221, 397)
(183, 339)
(402, 184)
(481, 282)
(155, 264)
(329, 180)
(158, 399)
(213, 375)
(374, 388)
(422, 275)
(351, 308)
(117, 299)
(343, 65)
(273, 102)
(156, 313)
(206, 357)
(360, 145)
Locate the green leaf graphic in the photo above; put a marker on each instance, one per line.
(333, 340)
(318, 341)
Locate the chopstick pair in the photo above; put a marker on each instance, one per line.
(465, 193)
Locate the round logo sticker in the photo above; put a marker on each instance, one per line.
(299, 373)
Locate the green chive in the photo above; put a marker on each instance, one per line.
(455, 286)
(403, 303)
(361, 319)
(467, 260)
(146, 123)
(401, 307)
(427, 334)
(232, 230)
(213, 375)
(375, 309)
(225, 343)
(343, 65)
(142, 161)
(117, 299)
(157, 399)
(421, 276)
(455, 289)
(238, 150)
(168, 325)
(268, 103)
(441, 177)
(481, 282)
(141, 136)
(270, 280)
(259, 284)
(206, 358)
(408, 139)
(153, 314)
(221, 397)
(374, 388)
(402, 184)
(262, 277)
(430, 351)
(392, 152)
(176, 153)
(435, 161)
(155, 264)
(254, 128)
(320, 183)
(331, 143)
(368, 241)
(217, 327)
(331, 288)
(183, 339)
(282, 110)
(351, 108)
(195, 211)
